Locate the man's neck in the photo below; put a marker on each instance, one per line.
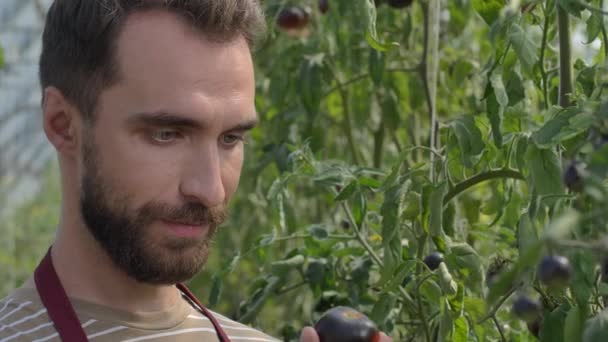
(87, 273)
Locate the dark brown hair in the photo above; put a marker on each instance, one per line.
(79, 40)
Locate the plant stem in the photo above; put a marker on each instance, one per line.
(497, 306)
(604, 35)
(378, 145)
(360, 236)
(565, 56)
(428, 69)
(420, 255)
(379, 137)
(363, 76)
(502, 334)
(591, 8)
(292, 287)
(481, 177)
(346, 124)
(372, 253)
(541, 62)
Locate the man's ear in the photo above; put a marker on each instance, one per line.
(60, 121)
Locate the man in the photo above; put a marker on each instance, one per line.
(147, 103)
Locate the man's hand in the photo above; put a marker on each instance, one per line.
(310, 335)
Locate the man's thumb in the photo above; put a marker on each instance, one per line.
(309, 335)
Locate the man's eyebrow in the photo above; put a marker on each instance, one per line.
(162, 119)
(245, 126)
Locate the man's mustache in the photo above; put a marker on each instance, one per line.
(193, 214)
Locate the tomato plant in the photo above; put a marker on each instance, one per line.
(440, 166)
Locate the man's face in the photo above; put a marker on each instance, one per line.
(165, 152)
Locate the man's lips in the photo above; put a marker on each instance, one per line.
(184, 229)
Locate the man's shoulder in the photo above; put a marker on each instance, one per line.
(237, 331)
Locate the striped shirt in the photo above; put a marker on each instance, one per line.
(23, 317)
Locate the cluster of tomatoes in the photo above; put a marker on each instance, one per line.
(294, 17)
(554, 272)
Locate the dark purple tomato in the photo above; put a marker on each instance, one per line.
(433, 260)
(526, 309)
(572, 179)
(400, 3)
(344, 324)
(292, 17)
(344, 224)
(323, 6)
(554, 271)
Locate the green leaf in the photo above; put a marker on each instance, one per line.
(499, 88)
(465, 260)
(583, 278)
(371, 36)
(446, 282)
(572, 7)
(1, 57)
(489, 10)
(382, 308)
(515, 88)
(216, 290)
(348, 191)
(449, 219)
(436, 209)
(594, 26)
(283, 266)
(318, 231)
(527, 234)
(524, 46)
(596, 328)
(461, 330)
(469, 138)
(599, 162)
(431, 291)
(376, 66)
(359, 208)
(506, 280)
(446, 324)
(390, 210)
(565, 125)
(495, 113)
(390, 110)
(457, 302)
(545, 172)
(310, 83)
(561, 226)
(573, 328)
(553, 324)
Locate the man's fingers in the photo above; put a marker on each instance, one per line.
(310, 335)
(384, 338)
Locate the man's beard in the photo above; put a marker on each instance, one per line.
(126, 234)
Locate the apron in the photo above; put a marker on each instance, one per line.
(62, 313)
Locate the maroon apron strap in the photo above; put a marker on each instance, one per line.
(221, 334)
(62, 313)
(56, 301)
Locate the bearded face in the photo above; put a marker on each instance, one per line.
(129, 236)
(163, 152)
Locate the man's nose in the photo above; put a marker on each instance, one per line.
(202, 179)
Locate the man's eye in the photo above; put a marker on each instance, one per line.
(165, 135)
(231, 139)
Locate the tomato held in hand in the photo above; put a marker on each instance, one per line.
(343, 324)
